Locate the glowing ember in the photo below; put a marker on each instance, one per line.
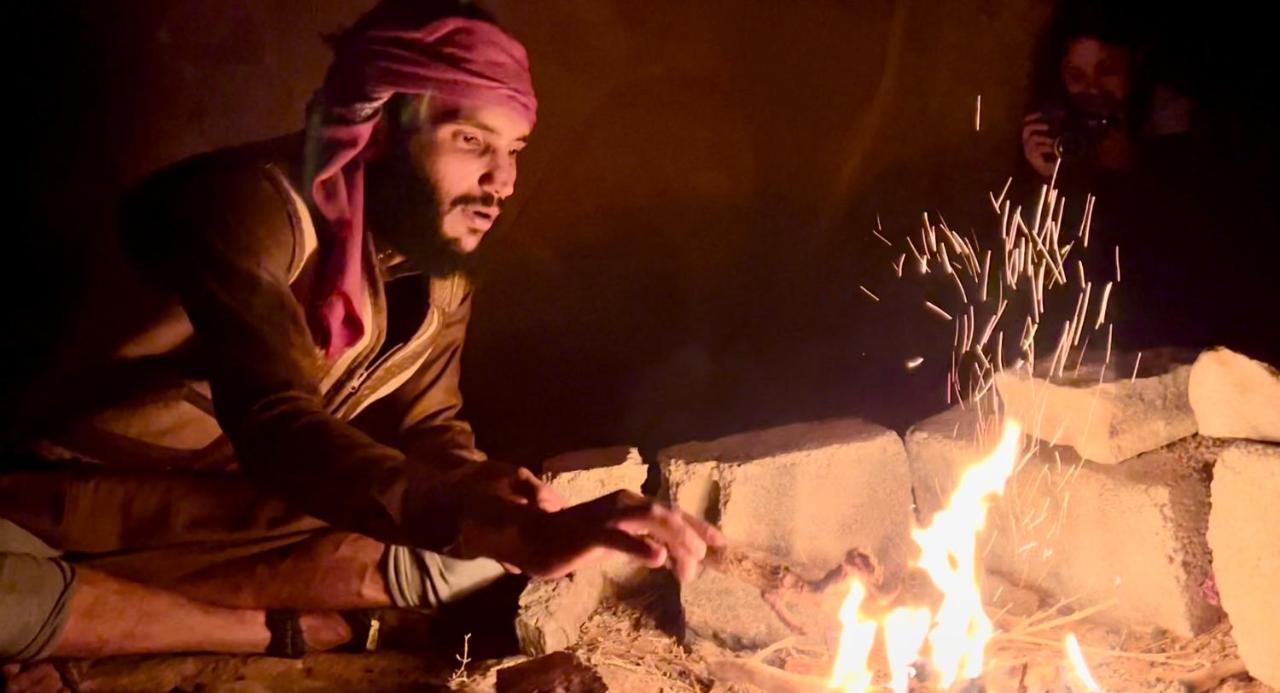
(958, 632)
(1078, 665)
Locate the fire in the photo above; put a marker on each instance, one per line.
(1078, 665)
(958, 632)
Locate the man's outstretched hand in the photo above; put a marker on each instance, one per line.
(514, 518)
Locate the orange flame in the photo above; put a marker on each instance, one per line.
(958, 632)
(1078, 665)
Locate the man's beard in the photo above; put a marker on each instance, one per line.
(405, 211)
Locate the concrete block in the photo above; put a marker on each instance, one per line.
(1234, 396)
(1105, 423)
(1131, 534)
(1244, 533)
(552, 611)
(730, 612)
(804, 493)
(588, 474)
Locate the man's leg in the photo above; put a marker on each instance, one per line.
(332, 570)
(110, 616)
(51, 608)
(340, 570)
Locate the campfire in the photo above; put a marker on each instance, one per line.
(1063, 499)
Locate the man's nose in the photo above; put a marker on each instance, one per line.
(499, 178)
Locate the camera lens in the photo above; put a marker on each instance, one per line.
(1069, 146)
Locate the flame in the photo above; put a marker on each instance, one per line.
(958, 632)
(857, 635)
(1078, 665)
(904, 633)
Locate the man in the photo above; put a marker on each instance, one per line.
(278, 438)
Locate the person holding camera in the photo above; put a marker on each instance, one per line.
(1100, 114)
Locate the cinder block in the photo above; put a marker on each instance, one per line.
(588, 474)
(804, 493)
(1132, 534)
(1105, 423)
(553, 611)
(1244, 533)
(1234, 396)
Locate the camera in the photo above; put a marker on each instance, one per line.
(1075, 133)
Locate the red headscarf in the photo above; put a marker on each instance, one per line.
(460, 60)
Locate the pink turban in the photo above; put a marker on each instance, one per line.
(461, 60)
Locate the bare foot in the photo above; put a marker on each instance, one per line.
(324, 630)
(36, 677)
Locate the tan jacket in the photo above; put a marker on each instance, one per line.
(224, 370)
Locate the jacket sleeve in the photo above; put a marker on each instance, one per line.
(221, 237)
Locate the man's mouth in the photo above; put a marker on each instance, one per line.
(480, 218)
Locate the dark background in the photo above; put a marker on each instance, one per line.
(694, 216)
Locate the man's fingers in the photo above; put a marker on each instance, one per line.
(1033, 117)
(652, 554)
(669, 528)
(708, 533)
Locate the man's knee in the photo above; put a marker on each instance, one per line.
(35, 602)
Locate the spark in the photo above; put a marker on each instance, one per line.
(938, 311)
(882, 238)
(1135, 367)
(867, 291)
(914, 363)
(977, 116)
(1102, 306)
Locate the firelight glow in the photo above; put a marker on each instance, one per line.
(960, 629)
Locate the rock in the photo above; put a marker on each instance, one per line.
(730, 612)
(552, 611)
(805, 493)
(1244, 533)
(588, 474)
(1105, 423)
(1234, 396)
(939, 449)
(1131, 534)
(560, 672)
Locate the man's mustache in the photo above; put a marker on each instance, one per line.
(481, 200)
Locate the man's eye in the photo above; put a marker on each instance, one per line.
(469, 140)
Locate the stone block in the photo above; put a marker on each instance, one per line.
(1105, 423)
(1131, 534)
(1244, 534)
(1234, 396)
(552, 611)
(804, 493)
(588, 474)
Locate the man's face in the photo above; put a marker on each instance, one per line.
(468, 154)
(1096, 76)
